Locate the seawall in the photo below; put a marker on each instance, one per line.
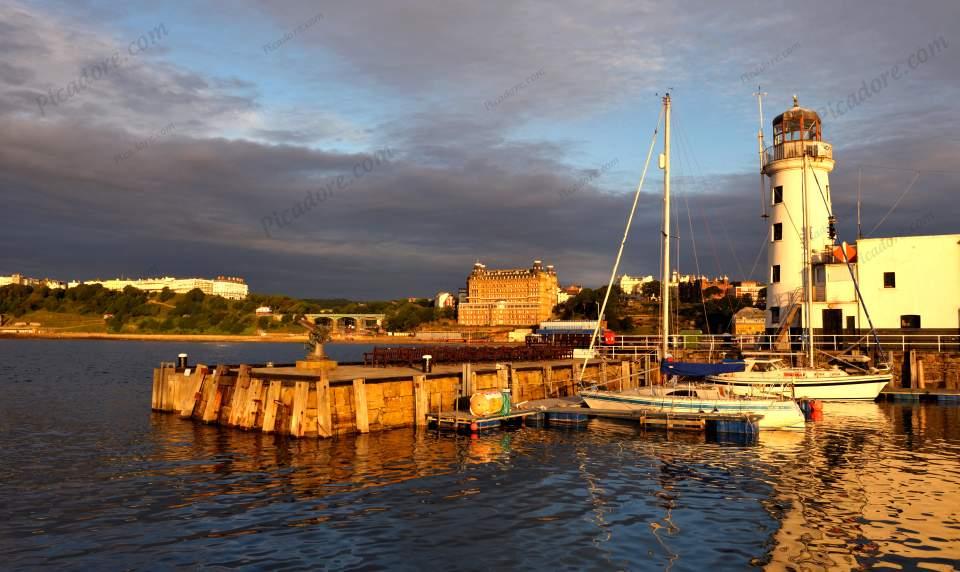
(304, 402)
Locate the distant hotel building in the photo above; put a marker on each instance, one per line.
(750, 288)
(630, 285)
(22, 280)
(515, 297)
(226, 286)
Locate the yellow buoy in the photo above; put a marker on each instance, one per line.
(486, 403)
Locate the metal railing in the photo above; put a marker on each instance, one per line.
(634, 345)
(797, 149)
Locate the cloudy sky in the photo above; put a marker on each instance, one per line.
(417, 137)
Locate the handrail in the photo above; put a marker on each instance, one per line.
(797, 149)
(633, 344)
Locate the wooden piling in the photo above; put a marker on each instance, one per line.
(213, 396)
(421, 400)
(271, 402)
(626, 381)
(240, 397)
(253, 405)
(360, 405)
(301, 393)
(191, 397)
(502, 382)
(324, 419)
(154, 399)
(514, 383)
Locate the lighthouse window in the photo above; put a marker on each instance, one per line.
(775, 273)
(910, 321)
(778, 231)
(889, 279)
(778, 194)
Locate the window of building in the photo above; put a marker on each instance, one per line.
(778, 231)
(889, 279)
(910, 321)
(775, 273)
(778, 194)
(775, 314)
(851, 324)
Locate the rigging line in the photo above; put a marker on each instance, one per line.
(856, 284)
(906, 170)
(696, 258)
(763, 245)
(903, 194)
(688, 148)
(623, 241)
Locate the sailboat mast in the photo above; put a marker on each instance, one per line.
(665, 283)
(763, 194)
(807, 265)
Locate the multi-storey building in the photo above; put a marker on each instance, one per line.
(750, 288)
(631, 284)
(514, 297)
(228, 287)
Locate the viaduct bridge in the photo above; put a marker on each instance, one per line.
(342, 321)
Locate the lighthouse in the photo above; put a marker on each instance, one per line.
(798, 167)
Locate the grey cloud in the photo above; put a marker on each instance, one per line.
(460, 187)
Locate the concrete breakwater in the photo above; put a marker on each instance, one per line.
(305, 402)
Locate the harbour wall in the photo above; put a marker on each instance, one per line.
(301, 402)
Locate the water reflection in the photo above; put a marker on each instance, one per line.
(96, 481)
(868, 486)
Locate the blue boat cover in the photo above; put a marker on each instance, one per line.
(691, 369)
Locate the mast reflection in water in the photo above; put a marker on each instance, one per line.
(92, 479)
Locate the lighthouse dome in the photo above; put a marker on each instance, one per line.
(797, 124)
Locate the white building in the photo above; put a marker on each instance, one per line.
(228, 287)
(18, 279)
(906, 282)
(444, 300)
(631, 284)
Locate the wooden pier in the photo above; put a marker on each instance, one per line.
(306, 402)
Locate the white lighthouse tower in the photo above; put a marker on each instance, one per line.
(798, 166)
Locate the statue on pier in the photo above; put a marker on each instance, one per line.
(317, 335)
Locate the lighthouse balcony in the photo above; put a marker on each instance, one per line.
(797, 149)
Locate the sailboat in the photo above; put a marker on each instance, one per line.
(796, 164)
(776, 411)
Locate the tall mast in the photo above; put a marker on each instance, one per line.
(763, 194)
(807, 265)
(665, 283)
(859, 227)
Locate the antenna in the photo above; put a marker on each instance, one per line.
(763, 186)
(859, 227)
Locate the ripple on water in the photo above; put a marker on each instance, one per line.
(96, 480)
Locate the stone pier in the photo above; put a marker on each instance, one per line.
(305, 402)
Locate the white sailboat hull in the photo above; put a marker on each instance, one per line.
(805, 385)
(776, 413)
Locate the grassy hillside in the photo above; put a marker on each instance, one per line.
(92, 308)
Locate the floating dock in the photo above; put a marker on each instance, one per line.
(943, 396)
(554, 413)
